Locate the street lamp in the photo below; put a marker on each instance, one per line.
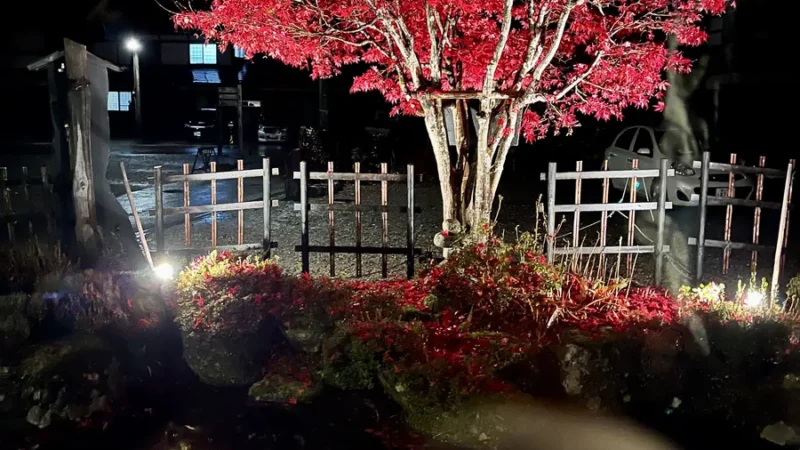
(134, 46)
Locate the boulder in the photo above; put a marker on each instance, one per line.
(68, 380)
(280, 389)
(227, 359)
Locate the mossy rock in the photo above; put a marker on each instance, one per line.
(230, 359)
(278, 389)
(42, 360)
(472, 422)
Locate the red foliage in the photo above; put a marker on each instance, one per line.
(610, 55)
(457, 324)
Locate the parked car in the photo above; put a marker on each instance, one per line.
(202, 125)
(642, 143)
(272, 134)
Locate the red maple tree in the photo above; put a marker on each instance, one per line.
(490, 68)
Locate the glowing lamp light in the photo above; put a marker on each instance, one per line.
(133, 45)
(753, 299)
(164, 271)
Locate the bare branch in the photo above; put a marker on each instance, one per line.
(554, 45)
(581, 78)
(534, 49)
(431, 17)
(505, 28)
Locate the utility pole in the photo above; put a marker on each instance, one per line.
(133, 45)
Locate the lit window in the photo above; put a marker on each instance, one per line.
(238, 52)
(206, 76)
(113, 101)
(202, 54)
(119, 101)
(125, 101)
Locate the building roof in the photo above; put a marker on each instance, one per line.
(55, 56)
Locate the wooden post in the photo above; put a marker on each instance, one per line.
(604, 223)
(551, 212)
(76, 60)
(142, 237)
(266, 191)
(776, 267)
(331, 224)
(239, 117)
(384, 221)
(726, 253)
(576, 218)
(410, 227)
(662, 217)
(788, 217)
(357, 169)
(762, 161)
(47, 198)
(214, 202)
(27, 194)
(701, 232)
(632, 219)
(7, 209)
(240, 199)
(304, 215)
(158, 185)
(187, 219)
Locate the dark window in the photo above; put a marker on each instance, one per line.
(644, 141)
(625, 139)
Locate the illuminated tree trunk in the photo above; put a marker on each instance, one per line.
(469, 171)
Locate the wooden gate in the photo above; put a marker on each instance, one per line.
(661, 205)
(358, 208)
(161, 212)
(729, 200)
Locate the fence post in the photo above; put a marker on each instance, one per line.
(357, 169)
(7, 210)
(266, 191)
(331, 224)
(662, 217)
(304, 214)
(187, 218)
(701, 233)
(214, 202)
(410, 230)
(551, 212)
(776, 267)
(159, 189)
(726, 253)
(384, 221)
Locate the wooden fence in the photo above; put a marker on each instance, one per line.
(706, 167)
(358, 208)
(602, 249)
(27, 187)
(161, 212)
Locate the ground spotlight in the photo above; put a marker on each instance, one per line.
(753, 299)
(164, 271)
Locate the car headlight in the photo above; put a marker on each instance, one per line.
(682, 169)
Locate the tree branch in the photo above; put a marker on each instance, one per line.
(554, 45)
(581, 78)
(533, 51)
(435, 55)
(505, 28)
